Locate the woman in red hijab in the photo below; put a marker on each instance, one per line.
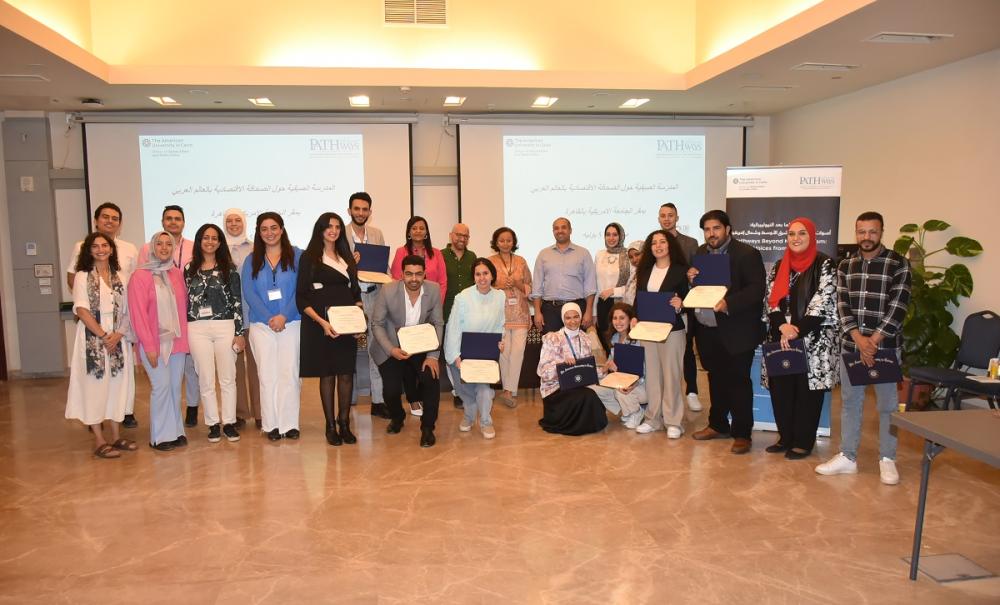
(801, 303)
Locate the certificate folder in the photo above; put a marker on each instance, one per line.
(481, 345)
(373, 264)
(886, 368)
(580, 374)
(656, 316)
(713, 270)
(784, 363)
(630, 359)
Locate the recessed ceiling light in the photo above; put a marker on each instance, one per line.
(164, 100)
(454, 101)
(907, 38)
(544, 102)
(825, 67)
(359, 101)
(633, 103)
(261, 101)
(198, 91)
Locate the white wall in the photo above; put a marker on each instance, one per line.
(921, 147)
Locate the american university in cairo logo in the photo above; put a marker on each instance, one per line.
(578, 378)
(873, 373)
(786, 363)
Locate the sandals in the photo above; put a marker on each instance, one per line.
(106, 451)
(124, 445)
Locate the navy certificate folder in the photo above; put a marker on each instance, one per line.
(655, 306)
(784, 363)
(713, 270)
(886, 368)
(580, 374)
(630, 359)
(481, 345)
(373, 257)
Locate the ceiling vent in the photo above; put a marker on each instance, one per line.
(416, 12)
(23, 78)
(907, 38)
(825, 67)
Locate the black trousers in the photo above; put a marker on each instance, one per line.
(690, 363)
(796, 410)
(603, 319)
(398, 374)
(552, 314)
(729, 385)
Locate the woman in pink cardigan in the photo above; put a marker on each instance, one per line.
(418, 241)
(157, 304)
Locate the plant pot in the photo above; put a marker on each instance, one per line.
(921, 394)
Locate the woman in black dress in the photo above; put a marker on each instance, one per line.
(328, 277)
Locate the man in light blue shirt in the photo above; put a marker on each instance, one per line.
(563, 273)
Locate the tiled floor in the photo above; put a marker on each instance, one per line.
(526, 518)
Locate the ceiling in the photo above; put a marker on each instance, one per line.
(722, 85)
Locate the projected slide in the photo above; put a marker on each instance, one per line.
(299, 176)
(597, 179)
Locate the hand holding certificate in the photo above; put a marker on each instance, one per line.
(480, 371)
(619, 380)
(349, 319)
(711, 283)
(373, 262)
(656, 316)
(420, 338)
(479, 353)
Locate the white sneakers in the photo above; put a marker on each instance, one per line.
(645, 428)
(694, 404)
(488, 432)
(416, 408)
(632, 421)
(674, 432)
(842, 465)
(465, 426)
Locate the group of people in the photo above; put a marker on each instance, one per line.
(253, 315)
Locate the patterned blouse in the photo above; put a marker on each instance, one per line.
(511, 280)
(555, 350)
(211, 298)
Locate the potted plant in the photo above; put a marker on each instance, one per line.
(928, 339)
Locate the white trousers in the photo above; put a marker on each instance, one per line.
(512, 357)
(211, 342)
(277, 355)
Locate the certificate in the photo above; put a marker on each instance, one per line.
(374, 277)
(653, 331)
(705, 297)
(420, 338)
(347, 320)
(619, 380)
(480, 371)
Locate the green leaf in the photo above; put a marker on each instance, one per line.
(958, 279)
(902, 245)
(964, 246)
(935, 225)
(909, 228)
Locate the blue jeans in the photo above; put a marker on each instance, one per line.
(853, 400)
(475, 398)
(165, 422)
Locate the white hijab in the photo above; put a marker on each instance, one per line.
(570, 306)
(235, 240)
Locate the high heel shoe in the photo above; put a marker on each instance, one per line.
(332, 437)
(346, 434)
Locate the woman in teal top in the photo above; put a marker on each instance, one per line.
(478, 308)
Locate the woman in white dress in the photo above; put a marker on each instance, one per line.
(613, 272)
(101, 370)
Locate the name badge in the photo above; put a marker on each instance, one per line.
(274, 294)
(204, 311)
(511, 302)
(317, 285)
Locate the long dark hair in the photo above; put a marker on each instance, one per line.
(625, 308)
(314, 251)
(85, 262)
(428, 247)
(646, 261)
(223, 259)
(259, 247)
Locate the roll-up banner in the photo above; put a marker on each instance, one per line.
(761, 201)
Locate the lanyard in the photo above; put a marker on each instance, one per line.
(180, 255)
(570, 343)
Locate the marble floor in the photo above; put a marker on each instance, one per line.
(526, 518)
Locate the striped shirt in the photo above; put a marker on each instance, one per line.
(872, 296)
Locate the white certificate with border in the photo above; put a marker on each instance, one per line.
(619, 380)
(420, 338)
(480, 371)
(349, 319)
(705, 297)
(374, 277)
(654, 331)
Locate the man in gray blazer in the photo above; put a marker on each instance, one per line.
(401, 304)
(360, 208)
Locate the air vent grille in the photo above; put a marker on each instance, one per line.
(416, 12)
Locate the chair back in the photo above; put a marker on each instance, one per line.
(980, 340)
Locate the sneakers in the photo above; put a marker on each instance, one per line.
(416, 408)
(489, 432)
(841, 465)
(645, 428)
(694, 404)
(230, 432)
(465, 426)
(887, 471)
(214, 433)
(674, 432)
(632, 421)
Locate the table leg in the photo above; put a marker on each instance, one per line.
(931, 450)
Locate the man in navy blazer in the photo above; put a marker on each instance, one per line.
(401, 304)
(728, 335)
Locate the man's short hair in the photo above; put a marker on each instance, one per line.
(714, 215)
(108, 205)
(669, 205)
(413, 259)
(360, 195)
(172, 207)
(871, 215)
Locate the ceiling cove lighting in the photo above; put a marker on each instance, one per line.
(544, 102)
(454, 101)
(359, 101)
(261, 102)
(165, 101)
(633, 103)
(825, 67)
